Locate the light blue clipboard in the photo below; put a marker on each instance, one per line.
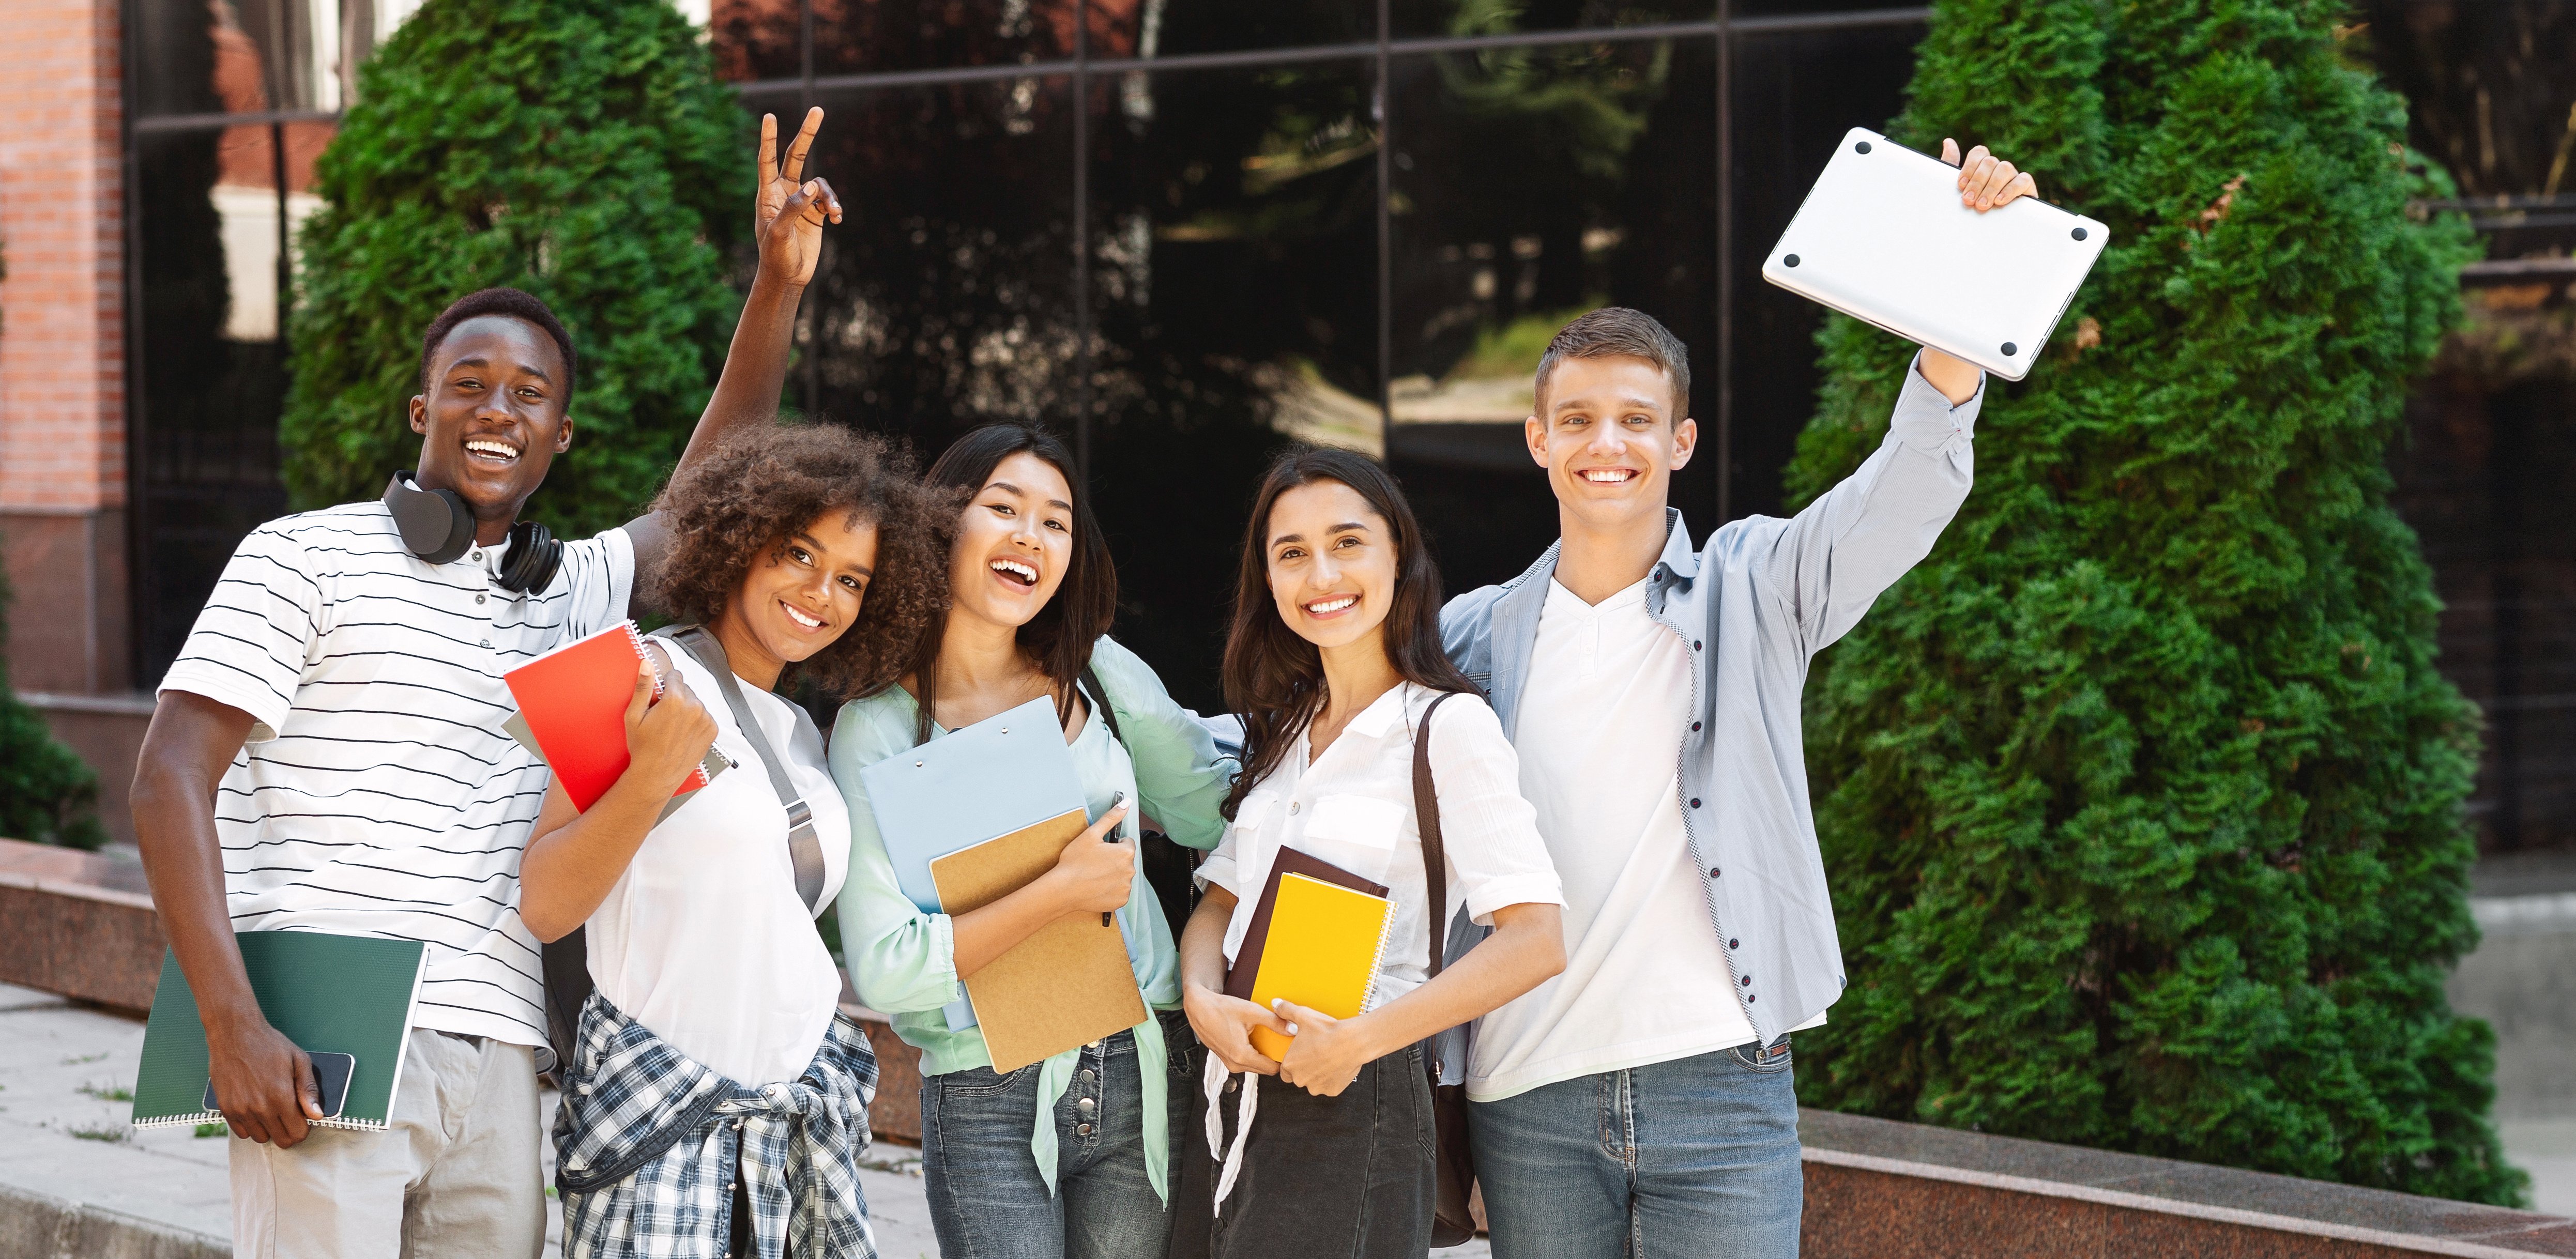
(1002, 774)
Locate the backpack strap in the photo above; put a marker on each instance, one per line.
(1426, 818)
(804, 848)
(1099, 696)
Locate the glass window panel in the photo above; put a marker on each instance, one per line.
(1234, 281)
(1795, 95)
(1178, 27)
(253, 56)
(1415, 19)
(755, 39)
(869, 36)
(210, 369)
(946, 298)
(1530, 185)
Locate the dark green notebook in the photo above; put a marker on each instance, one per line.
(329, 994)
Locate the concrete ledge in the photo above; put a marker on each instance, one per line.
(77, 924)
(1891, 1190)
(38, 1226)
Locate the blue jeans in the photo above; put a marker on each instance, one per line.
(1697, 1156)
(987, 1200)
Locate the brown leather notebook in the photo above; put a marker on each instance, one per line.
(1247, 962)
(1069, 983)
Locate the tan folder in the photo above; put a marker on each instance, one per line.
(1069, 983)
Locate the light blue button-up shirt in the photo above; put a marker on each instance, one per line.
(1755, 605)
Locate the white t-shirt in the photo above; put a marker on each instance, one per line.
(703, 940)
(378, 795)
(1353, 807)
(1602, 717)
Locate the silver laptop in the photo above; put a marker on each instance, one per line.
(1882, 237)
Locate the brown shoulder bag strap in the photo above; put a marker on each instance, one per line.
(1426, 817)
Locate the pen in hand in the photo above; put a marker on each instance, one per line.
(1111, 838)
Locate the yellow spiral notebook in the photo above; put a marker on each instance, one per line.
(1322, 952)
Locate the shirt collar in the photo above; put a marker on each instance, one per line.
(1373, 720)
(1678, 558)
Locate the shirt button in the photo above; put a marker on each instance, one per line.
(1733, 943)
(1694, 727)
(1750, 998)
(1292, 808)
(1748, 981)
(1083, 1131)
(1086, 1075)
(488, 642)
(477, 555)
(478, 598)
(1695, 644)
(1694, 799)
(1712, 872)
(1083, 1104)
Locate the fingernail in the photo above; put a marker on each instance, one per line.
(1292, 1029)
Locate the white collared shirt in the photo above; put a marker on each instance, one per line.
(378, 795)
(1353, 807)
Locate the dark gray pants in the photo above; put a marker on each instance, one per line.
(1322, 1176)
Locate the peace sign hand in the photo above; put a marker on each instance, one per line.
(788, 213)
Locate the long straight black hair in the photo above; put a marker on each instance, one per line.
(1058, 639)
(1274, 679)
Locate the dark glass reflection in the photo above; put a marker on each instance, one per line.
(862, 36)
(210, 376)
(1413, 19)
(1234, 282)
(1531, 185)
(1795, 95)
(1177, 27)
(945, 300)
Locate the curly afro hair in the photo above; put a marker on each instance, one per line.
(756, 489)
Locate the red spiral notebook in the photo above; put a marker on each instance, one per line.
(572, 713)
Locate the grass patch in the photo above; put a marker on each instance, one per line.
(108, 1092)
(214, 1129)
(83, 1061)
(110, 1133)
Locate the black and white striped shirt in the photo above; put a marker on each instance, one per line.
(378, 794)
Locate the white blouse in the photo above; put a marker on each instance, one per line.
(1353, 807)
(703, 939)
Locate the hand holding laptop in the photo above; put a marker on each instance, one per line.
(1986, 182)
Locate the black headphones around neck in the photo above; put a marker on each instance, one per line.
(436, 527)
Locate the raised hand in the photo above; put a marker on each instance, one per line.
(789, 211)
(1985, 180)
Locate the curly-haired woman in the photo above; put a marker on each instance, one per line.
(1070, 1156)
(714, 1097)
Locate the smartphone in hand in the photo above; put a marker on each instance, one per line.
(331, 1074)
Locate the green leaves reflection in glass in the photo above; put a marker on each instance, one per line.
(579, 149)
(2142, 798)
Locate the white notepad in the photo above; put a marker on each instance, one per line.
(1882, 237)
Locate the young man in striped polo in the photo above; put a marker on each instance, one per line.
(328, 755)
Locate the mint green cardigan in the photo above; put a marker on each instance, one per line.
(903, 962)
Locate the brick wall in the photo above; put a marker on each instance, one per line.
(62, 345)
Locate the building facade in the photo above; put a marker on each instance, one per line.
(1172, 229)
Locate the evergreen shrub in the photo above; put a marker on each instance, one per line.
(48, 794)
(2142, 797)
(579, 149)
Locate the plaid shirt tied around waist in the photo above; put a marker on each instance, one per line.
(649, 1143)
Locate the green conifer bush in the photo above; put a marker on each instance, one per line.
(2142, 797)
(579, 149)
(48, 794)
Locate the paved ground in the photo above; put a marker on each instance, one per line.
(64, 1072)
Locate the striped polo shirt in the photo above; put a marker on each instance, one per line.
(378, 794)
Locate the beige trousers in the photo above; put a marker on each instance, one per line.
(456, 1173)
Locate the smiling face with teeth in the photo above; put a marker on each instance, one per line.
(1332, 563)
(800, 597)
(492, 418)
(1610, 440)
(1014, 543)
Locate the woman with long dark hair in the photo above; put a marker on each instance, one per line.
(1335, 665)
(1066, 1157)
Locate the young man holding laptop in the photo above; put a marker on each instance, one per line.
(1640, 1102)
(328, 755)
